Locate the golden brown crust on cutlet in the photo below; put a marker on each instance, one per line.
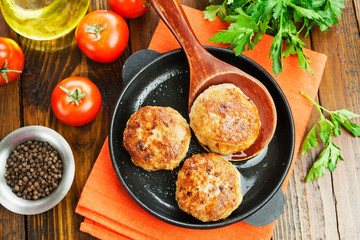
(208, 187)
(224, 120)
(157, 138)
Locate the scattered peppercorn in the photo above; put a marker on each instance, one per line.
(33, 170)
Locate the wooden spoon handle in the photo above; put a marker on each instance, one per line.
(173, 15)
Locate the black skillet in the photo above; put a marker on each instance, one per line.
(163, 80)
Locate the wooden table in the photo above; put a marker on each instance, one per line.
(328, 208)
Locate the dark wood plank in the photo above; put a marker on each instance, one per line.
(357, 11)
(339, 89)
(309, 208)
(44, 69)
(49, 62)
(12, 225)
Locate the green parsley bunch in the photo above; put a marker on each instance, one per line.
(250, 19)
(326, 129)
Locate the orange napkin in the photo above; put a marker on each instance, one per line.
(110, 212)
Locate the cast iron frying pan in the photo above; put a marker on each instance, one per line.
(163, 80)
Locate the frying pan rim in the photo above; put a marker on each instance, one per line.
(225, 222)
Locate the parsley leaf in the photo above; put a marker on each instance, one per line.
(334, 156)
(342, 117)
(352, 127)
(327, 159)
(212, 11)
(336, 7)
(318, 169)
(325, 129)
(336, 123)
(278, 18)
(346, 113)
(239, 34)
(310, 141)
(276, 51)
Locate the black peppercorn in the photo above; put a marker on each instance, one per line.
(33, 170)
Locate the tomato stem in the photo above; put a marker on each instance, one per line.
(95, 29)
(5, 70)
(75, 96)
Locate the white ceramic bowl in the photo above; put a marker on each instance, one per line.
(29, 207)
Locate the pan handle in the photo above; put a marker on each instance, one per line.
(269, 212)
(136, 62)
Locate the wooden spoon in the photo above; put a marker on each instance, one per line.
(206, 70)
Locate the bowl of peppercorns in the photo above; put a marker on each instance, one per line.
(37, 169)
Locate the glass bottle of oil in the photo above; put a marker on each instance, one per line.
(43, 19)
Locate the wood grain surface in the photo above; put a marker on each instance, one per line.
(12, 226)
(328, 208)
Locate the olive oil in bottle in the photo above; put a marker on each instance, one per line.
(43, 19)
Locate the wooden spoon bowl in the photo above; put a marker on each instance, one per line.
(206, 70)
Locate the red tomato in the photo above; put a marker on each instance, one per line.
(76, 101)
(129, 8)
(102, 36)
(11, 60)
